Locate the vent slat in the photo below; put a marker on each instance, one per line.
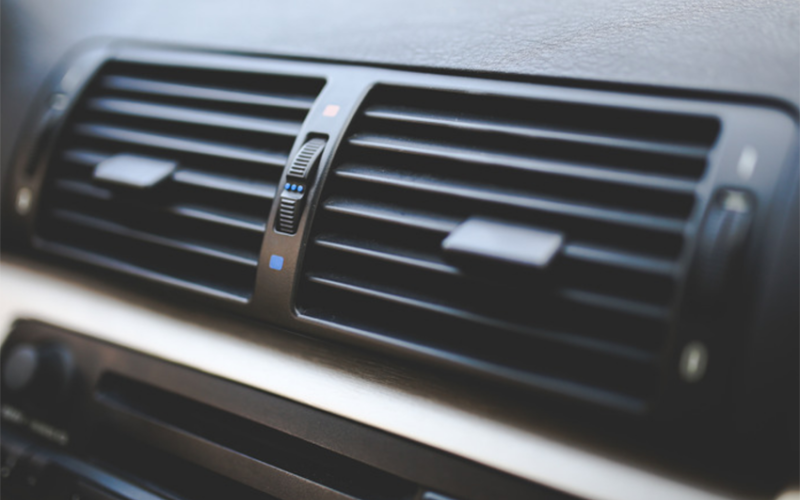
(393, 215)
(417, 262)
(622, 259)
(81, 188)
(473, 155)
(159, 141)
(614, 187)
(186, 115)
(118, 265)
(83, 157)
(578, 391)
(223, 183)
(189, 176)
(455, 121)
(154, 87)
(443, 225)
(127, 232)
(573, 341)
(617, 304)
(204, 214)
(572, 250)
(226, 135)
(483, 194)
(611, 303)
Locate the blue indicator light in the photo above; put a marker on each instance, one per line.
(287, 186)
(294, 187)
(299, 189)
(276, 262)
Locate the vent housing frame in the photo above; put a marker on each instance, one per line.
(229, 131)
(418, 163)
(688, 320)
(755, 123)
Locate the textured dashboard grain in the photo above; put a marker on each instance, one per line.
(738, 46)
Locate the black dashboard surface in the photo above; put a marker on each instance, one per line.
(739, 47)
(700, 53)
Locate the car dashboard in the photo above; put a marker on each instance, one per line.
(430, 251)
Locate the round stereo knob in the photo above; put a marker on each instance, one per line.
(39, 373)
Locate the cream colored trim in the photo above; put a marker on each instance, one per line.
(340, 381)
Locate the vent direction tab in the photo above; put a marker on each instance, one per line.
(497, 241)
(134, 171)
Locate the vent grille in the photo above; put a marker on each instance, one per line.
(230, 135)
(618, 183)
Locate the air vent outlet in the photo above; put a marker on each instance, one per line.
(617, 184)
(199, 225)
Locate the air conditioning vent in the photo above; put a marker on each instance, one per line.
(617, 184)
(221, 138)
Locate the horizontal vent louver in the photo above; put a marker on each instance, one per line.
(619, 184)
(201, 228)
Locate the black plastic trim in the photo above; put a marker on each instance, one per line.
(768, 129)
(268, 443)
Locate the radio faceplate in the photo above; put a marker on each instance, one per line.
(126, 425)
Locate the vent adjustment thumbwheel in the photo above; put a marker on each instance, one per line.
(720, 248)
(298, 179)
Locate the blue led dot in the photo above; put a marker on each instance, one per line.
(287, 186)
(294, 187)
(299, 189)
(276, 262)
